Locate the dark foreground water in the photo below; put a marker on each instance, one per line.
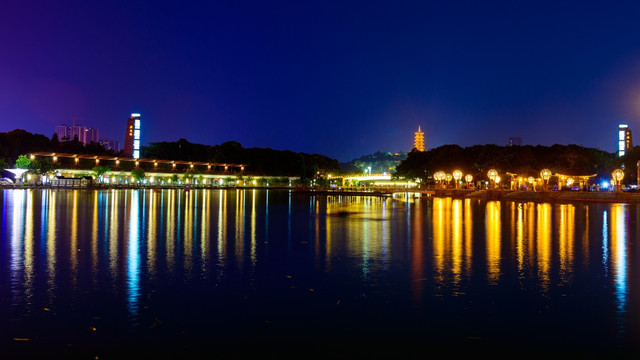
(220, 273)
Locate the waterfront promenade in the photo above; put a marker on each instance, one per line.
(535, 196)
(542, 196)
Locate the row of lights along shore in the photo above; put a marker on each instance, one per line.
(444, 179)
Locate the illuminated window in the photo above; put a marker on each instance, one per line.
(137, 124)
(136, 134)
(136, 154)
(136, 144)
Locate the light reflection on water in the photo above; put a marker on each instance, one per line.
(59, 244)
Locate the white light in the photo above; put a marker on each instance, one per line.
(136, 144)
(136, 154)
(621, 135)
(137, 124)
(135, 115)
(136, 134)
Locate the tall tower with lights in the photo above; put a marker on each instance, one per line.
(625, 143)
(418, 140)
(132, 137)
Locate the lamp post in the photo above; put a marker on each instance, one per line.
(448, 177)
(439, 176)
(468, 178)
(618, 175)
(545, 174)
(457, 175)
(492, 173)
(530, 180)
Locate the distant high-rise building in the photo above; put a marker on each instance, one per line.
(80, 132)
(625, 143)
(91, 135)
(418, 140)
(132, 137)
(515, 140)
(64, 132)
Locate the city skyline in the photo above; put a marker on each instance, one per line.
(339, 79)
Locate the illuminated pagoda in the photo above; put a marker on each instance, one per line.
(132, 137)
(418, 142)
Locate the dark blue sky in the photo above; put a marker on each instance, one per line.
(339, 78)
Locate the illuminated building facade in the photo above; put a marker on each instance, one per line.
(418, 140)
(625, 143)
(132, 137)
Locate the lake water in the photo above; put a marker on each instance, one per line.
(169, 273)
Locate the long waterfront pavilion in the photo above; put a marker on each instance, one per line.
(74, 165)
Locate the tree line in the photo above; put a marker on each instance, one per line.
(264, 161)
(526, 160)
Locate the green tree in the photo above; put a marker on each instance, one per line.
(99, 171)
(42, 167)
(23, 162)
(174, 178)
(137, 174)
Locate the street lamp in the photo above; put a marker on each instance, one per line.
(457, 174)
(545, 174)
(448, 178)
(618, 175)
(439, 176)
(530, 180)
(570, 182)
(492, 173)
(468, 178)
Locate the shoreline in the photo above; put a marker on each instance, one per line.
(563, 196)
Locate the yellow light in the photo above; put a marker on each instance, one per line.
(618, 174)
(545, 174)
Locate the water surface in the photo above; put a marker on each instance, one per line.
(171, 272)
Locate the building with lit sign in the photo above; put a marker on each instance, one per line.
(132, 137)
(418, 141)
(625, 143)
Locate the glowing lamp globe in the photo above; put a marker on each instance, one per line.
(545, 174)
(618, 175)
(492, 173)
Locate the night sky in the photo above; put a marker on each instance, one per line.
(338, 78)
